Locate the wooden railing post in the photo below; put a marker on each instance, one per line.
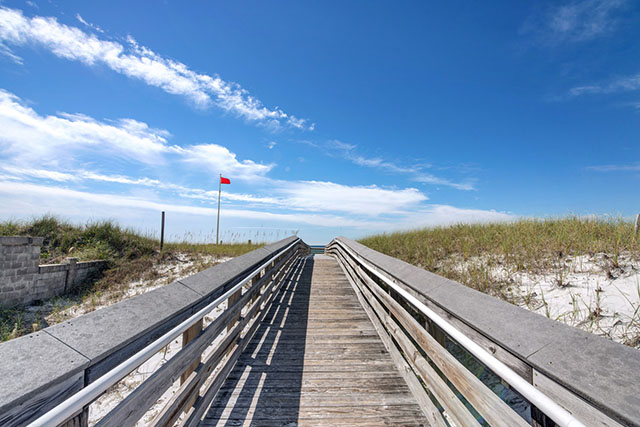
(257, 294)
(230, 301)
(80, 420)
(187, 337)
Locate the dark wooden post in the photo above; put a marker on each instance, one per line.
(162, 232)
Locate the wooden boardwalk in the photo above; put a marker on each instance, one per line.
(315, 359)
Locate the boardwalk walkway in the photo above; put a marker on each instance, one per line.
(316, 359)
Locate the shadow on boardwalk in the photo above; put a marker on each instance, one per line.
(267, 381)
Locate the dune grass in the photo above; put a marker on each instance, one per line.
(103, 240)
(529, 245)
(130, 255)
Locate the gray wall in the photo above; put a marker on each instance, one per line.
(23, 281)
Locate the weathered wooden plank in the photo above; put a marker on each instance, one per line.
(281, 398)
(332, 415)
(79, 420)
(187, 337)
(321, 385)
(40, 404)
(578, 407)
(416, 420)
(327, 369)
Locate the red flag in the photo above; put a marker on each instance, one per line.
(224, 180)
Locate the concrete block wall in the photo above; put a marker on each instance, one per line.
(23, 280)
(19, 258)
(86, 270)
(51, 281)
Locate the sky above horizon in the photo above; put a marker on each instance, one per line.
(329, 118)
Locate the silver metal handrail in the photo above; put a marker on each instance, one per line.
(78, 401)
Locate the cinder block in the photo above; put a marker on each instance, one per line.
(15, 240)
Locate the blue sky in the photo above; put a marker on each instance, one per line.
(328, 117)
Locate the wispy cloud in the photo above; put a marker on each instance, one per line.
(40, 173)
(28, 199)
(436, 215)
(28, 138)
(142, 63)
(8, 53)
(87, 24)
(219, 159)
(620, 84)
(368, 200)
(634, 167)
(59, 200)
(575, 21)
(417, 172)
(309, 196)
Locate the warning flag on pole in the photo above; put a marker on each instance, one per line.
(224, 180)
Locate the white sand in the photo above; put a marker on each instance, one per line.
(584, 292)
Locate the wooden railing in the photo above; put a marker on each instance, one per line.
(423, 319)
(246, 284)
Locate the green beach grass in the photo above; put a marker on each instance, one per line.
(130, 255)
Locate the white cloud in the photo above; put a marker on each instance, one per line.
(219, 159)
(436, 215)
(41, 173)
(28, 138)
(212, 195)
(635, 167)
(32, 199)
(62, 201)
(432, 179)
(87, 24)
(141, 63)
(575, 21)
(620, 84)
(309, 196)
(417, 173)
(271, 144)
(359, 200)
(8, 53)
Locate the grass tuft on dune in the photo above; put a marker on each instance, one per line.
(131, 257)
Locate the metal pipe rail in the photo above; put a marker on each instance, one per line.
(492, 409)
(77, 402)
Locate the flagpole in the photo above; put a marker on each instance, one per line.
(219, 191)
